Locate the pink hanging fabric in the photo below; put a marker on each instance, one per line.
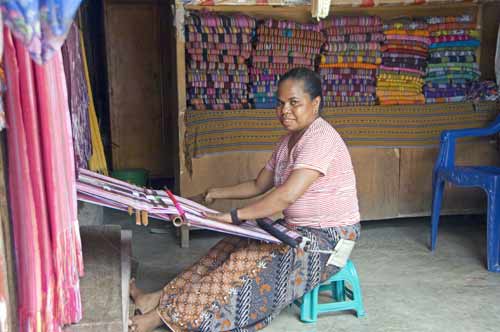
(42, 191)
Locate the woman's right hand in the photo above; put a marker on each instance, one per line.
(209, 196)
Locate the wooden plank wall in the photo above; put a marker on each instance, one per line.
(391, 183)
(490, 23)
(6, 246)
(142, 85)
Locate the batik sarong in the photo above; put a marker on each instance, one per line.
(242, 284)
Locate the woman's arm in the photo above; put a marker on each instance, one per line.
(249, 189)
(278, 200)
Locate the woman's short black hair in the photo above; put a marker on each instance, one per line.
(311, 80)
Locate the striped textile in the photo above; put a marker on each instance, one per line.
(377, 126)
(331, 200)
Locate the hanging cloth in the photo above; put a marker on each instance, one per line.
(42, 191)
(78, 98)
(41, 25)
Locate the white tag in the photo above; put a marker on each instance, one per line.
(136, 194)
(341, 253)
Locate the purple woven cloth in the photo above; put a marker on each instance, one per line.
(78, 98)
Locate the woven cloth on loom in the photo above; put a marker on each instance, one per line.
(452, 65)
(353, 45)
(377, 126)
(281, 46)
(404, 55)
(217, 48)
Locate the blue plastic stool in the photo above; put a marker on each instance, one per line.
(484, 177)
(344, 298)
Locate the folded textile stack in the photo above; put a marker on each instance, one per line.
(281, 46)
(404, 59)
(217, 48)
(452, 64)
(349, 60)
(483, 90)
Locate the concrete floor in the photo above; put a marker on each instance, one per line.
(405, 287)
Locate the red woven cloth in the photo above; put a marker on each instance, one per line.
(42, 191)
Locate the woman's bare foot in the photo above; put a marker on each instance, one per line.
(145, 323)
(144, 302)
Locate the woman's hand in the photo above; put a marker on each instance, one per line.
(210, 196)
(221, 217)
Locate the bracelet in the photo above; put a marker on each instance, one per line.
(234, 217)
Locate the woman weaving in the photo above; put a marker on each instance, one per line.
(245, 283)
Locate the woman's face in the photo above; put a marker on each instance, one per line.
(295, 110)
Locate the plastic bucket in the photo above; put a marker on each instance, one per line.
(137, 176)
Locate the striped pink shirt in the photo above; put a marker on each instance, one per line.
(331, 200)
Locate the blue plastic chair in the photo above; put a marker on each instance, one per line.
(485, 177)
(344, 298)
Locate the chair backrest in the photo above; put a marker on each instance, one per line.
(446, 157)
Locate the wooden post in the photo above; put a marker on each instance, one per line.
(7, 281)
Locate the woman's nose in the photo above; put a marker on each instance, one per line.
(286, 109)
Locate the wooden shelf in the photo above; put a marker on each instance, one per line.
(302, 12)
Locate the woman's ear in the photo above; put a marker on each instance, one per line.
(316, 102)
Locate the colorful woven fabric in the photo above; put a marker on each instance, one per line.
(282, 24)
(41, 25)
(78, 97)
(340, 47)
(485, 90)
(218, 29)
(349, 65)
(280, 46)
(237, 38)
(453, 58)
(259, 129)
(285, 47)
(471, 42)
(332, 59)
(424, 40)
(215, 65)
(292, 60)
(356, 38)
(451, 26)
(350, 59)
(346, 30)
(217, 50)
(451, 38)
(473, 33)
(452, 67)
(407, 32)
(466, 18)
(342, 21)
(405, 24)
(404, 62)
(402, 70)
(214, 20)
(263, 30)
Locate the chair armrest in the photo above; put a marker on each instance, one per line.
(472, 132)
(446, 157)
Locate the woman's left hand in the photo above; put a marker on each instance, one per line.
(221, 217)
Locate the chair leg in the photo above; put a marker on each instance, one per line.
(493, 232)
(339, 290)
(309, 307)
(437, 199)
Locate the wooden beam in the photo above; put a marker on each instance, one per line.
(302, 13)
(181, 89)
